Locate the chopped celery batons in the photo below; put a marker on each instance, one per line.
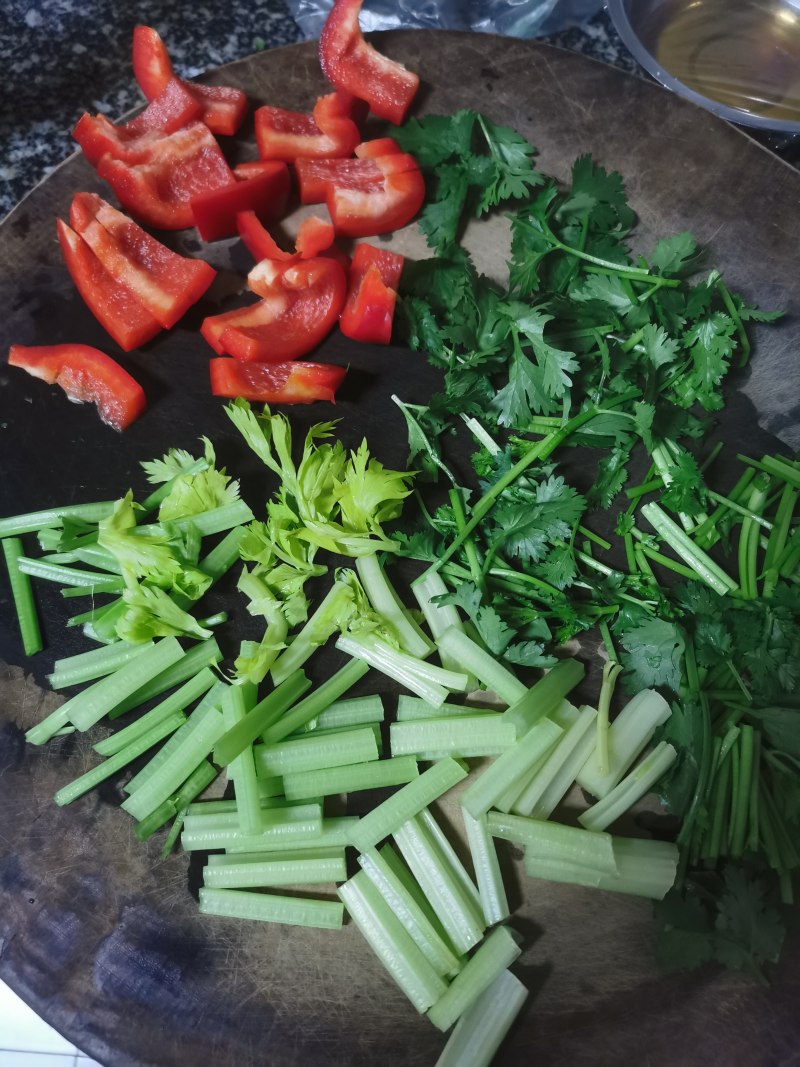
(318, 702)
(282, 828)
(22, 594)
(510, 767)
(545, 696)
(549, 840)
(376, 774)
(411, 709)
(317, 752)
(472, 658)
(497, 952)
(271, 908)
(644, 869)
(543, 791)
(632, 788)
(487, 870)
(628, 735)
(480, 1031)
(384, 599)
(282, 868)
(463, 735)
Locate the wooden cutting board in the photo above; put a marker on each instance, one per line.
(97, 933)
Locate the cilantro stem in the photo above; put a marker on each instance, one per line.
(774, 465)
(720, 809)
(748, 539)
(733, 311)
(470, 551)
(778, 538)
(712, 455)
(623, 271)
(600, 541)
(741, 804)
(651, 486)
(608, 640)
(611, 671)
(747, 513)
(706, 532)
(752, 811)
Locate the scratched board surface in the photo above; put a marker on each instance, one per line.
(101, 936)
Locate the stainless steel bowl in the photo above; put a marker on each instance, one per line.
(739, 59)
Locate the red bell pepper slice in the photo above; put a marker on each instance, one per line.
(157, 178)
(166, 283)
(354, 66)
(366, 196)
(116, 308)
(224, 108)
(314, 238)
(301, 302)
(275, 383)
(266, 194)
(380, 146)
(85, 374)
(328, 133)
(369, 309)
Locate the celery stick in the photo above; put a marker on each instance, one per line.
(632, 788)
(222, 859)
(353, 711)
(98, 662)
(172, 837)
(282, 828)
(22, 594)
(199, 734)
(177, 701)
(405, 803)
(487, 870)
(558, 770)
(271, 908)
(480, 1031)
(322, 625)
(427, 681)
(317, 702)
(545, 696)
(472, 658)
(200, 778)
(549, 840)
(68, 576)
(384, 599)
(242, 769)
(209, 815)
(214, 521)
(439, 617)
(406, 907)
(469, 735)
(437, 836)
(263, 714)
(391, 942)
(122, 758)
(53, 517)
(556, 870)
(442, 884)
(377, 774)
(412, 709)
(497, 952)
(510, 767)
(315, 753)
(564, 716)
(203, 654)
(643, 872)
(282, 868)
(628, 735)
(103, 585)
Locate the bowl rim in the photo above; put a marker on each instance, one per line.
(618, 12)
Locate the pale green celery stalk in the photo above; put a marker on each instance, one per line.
(199, 735)
(103, 627)
(439, 617)
(377, 774)
(481, 1029)
(316, 703)
(408, 910)
(203, 654)
(210, 815)
(352, 711)
(103, 585)
(662, 460)
(172, 837)
(683, 546)
(487, 870)
(177, 701)
(628, 735)
(412, 709)
(283, 868)
(266, 712)
(96, 663)
(317, 630)
(54, 517)
(543, 793)
(555, 841)
(545, 696)
(497, 952)
(316, 753)
(556, 870)
(564, 716)
(296, 827)
(454, 905)
(611, 672)
(384, 599)
(641, 871)
(455, 643)
(96, 556)
(400, 666)
(90, 705)
(271, 908)
(467, 735)
(22, 594)
(242, 769)
(222, 859)
(213, 521)
(632, 788)
(122, 758)
(68, 576)
(391, 942)
(509, 768)
(401, 806)
(431, 827)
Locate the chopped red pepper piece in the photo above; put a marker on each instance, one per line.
(157, 178)
(166, 283)
(328, 133)
(275, 383)
(369, 309)
(266, 194)
(314, 238)
(85, 374)
(351, 64)
(380, 146)
(116, 308)
(224, 108)
(301, 303)
(365, 196)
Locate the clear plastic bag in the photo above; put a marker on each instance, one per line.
(514, 18)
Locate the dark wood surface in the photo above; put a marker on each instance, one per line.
(97, 933)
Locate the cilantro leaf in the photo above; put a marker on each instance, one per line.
(653, 654)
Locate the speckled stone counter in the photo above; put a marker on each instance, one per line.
(63, 57)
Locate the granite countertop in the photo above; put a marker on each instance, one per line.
(61, 59)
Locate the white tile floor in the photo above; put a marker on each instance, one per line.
(27, 1041)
